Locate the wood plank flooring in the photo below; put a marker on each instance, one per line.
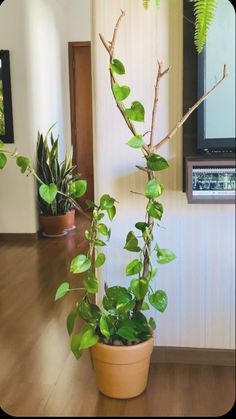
(38, 374)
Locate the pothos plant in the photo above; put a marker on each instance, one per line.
(49, 188)
(121, 320)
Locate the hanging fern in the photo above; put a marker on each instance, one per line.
(146, 4)
(204, 11)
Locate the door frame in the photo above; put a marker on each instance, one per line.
(71, 46)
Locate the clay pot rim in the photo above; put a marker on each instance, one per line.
(52, 216)
(127, 348)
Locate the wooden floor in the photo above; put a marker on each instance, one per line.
(38, 374)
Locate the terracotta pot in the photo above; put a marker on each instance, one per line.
(53, 225)
(70, 220)
(122, 371)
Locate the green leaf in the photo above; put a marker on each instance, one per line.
(155, 210)
(104, 327)
(132, 243)
(152, 323)
(100, 260)
(116, 296)
(91, 283)
(1, 144)
(88, 235)
(152, 274)
(106, 202)
(62, 290)
(136, 142)
(145, 306)
(141, 226)
(117, 67)
(204, 11)
(98, 242)
(3, 160)
(70, 322)
(159, 300)
(102, 228)
(88, 338)
(48, 193)
(80, 264)
(90, 204)
(136, 112)
(78, 188)
(74, 345)
(120, 92)
(23, 163)
(111, 212)
(126, 330)
(153, 189)
(164, 255)
(156, 162)
(133, 267)
(139, 287)
(91, 313)
(100, 216)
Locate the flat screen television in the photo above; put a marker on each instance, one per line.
(216, 116)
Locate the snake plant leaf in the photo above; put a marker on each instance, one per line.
(48, 192)
(62, 290)
(136, 142)
(23, 163)
(120, 92)
(3, 160)
(136, 112)
(117, 67)
(80, 263)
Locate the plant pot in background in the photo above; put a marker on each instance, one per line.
(70, 220)
(53, 225)
(122, 371)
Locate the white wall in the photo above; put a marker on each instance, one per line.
(200, 283)
(37, 34)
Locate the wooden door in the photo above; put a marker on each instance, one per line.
(81, 113)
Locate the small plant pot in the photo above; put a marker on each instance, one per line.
(70, 220)
(122, 371)
(54, 225)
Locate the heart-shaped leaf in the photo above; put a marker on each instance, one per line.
(134, 267)
(62, 290)
(100, 260)
(78, 188)
(23, 163)
(120, 92)
(111, 212)
(117, 67)
(91, 283)
(74, 345)
(3, 160)
(145, 306)
(136, 142)
(139, 287)
(98, 242)
(80, 263)
(164, 255)
(136, 112)
(159, 300)
(153, 189)
(156, 162)
(106, 202)
(132, 243)
(126, 330)
(88, 338)
(155, 210)
(104, 326)
(152, 323)
(91, 313)
(70, 322)
(102, 228)
(48, 193)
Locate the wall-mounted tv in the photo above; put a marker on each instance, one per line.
(6, 119)
(216, 116)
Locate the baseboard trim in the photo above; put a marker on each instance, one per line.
(18, 236)
(203, 356)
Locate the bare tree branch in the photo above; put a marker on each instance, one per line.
(144, 169)
(190, 110)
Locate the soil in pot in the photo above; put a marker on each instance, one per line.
(53, 226)
(122, 371)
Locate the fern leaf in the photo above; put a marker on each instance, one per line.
(146, 4)
(204, 11)
(158, 4)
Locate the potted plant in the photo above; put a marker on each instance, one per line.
(59, 186)
(119, 334)
(59, 216)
